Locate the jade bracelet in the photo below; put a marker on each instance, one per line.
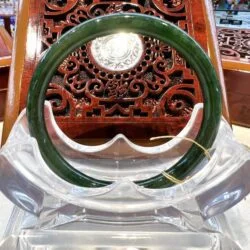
(106, 25)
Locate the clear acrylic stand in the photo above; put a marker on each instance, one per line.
(56, 215)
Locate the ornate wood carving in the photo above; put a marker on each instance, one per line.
(159, 86)
(158, 94)
(235, 52)
(234, 44)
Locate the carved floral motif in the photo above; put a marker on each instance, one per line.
(234, 44)
(160, 85)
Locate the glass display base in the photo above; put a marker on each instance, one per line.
(117, 240)
(48, 231)
(190, 215)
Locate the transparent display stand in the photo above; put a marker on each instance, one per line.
(120, 195)
(124, 216)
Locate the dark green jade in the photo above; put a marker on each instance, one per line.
(106, 25)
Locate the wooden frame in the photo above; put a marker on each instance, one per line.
(27, 32)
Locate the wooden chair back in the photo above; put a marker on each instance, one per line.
(101, 112)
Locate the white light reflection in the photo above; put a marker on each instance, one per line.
(117, 52)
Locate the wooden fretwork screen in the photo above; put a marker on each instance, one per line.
(154, 97)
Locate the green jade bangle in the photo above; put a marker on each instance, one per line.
(106, 25)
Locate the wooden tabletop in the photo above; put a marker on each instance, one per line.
(5, 48)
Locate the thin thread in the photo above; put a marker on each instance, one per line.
(172, 178)
(206, 152)
(168, 176)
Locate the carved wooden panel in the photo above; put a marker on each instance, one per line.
(235, 51)
(157, 94)
(234, 44)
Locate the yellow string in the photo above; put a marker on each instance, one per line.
(206, 152)
(172, 178)
(168, 176)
